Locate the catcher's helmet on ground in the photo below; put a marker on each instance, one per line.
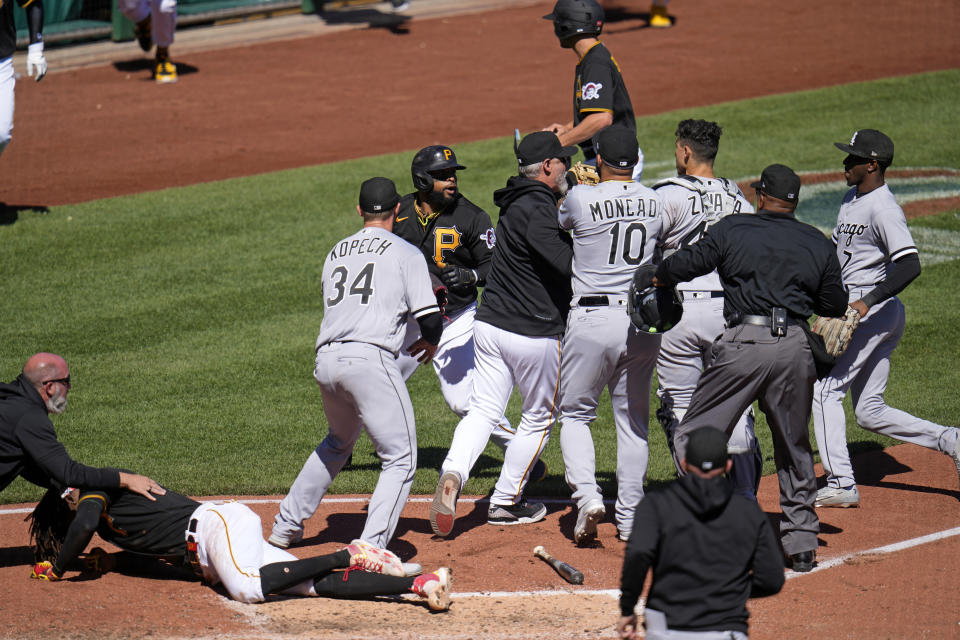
(576, 18)
(429, 159)
(652, 309)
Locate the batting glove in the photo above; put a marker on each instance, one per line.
(36, 63)
(44, 571)
(458, 277)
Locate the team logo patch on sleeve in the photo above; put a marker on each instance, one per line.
(591, 90)
(490, 238)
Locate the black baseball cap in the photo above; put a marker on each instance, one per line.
(707, 449)
(870, 144)
(540, 145)
(618, 147)
(779, 181)
(378, 195)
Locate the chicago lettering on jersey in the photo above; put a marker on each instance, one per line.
(623, 208)
(849, 229)
(358, 247)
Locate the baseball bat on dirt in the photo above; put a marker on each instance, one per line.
(566, 572)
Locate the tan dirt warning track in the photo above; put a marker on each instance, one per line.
(108, 131)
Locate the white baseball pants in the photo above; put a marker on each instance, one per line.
(163, 17)
(7, 81)
(454, 364)
(231, 550)
(602, 349)
(863, 369)
(504, 359)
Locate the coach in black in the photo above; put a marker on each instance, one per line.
(29, 447)
(775, 271)
(600, 97)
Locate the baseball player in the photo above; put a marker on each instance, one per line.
(371, 281)
(221, 542)
(155, 22)
(457, 240)
(517, 332)
(616, 226)
(600, 97)
(685, 349)
(879, 259)
(36, 63)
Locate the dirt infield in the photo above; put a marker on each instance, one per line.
(93, 133)
(503, 592)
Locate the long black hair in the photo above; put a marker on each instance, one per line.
(49, 524)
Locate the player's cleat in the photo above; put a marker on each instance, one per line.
(803, 561)
(955, 454)
(165, 71)
(836, 497)
(539, 471)
(44, 571)
(587, 519)
(623, 536)
(367, 557)
(411, 569)
(443, 511)
(659, 18)
(281, 541)
(521, 513)
(141, 31)
(398, 6)
(435, 587)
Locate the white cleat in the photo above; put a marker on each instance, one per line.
(587, 519)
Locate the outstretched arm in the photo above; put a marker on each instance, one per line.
(36, 63)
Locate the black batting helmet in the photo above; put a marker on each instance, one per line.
(576, 18)
(433, 158)
(652, 309)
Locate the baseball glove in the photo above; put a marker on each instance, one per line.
(583, 174)
(439, 290)
(99, 562)
(836, 332)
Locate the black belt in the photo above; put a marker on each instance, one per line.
(762, 321)
(192, 559)
(692, 295)
(593, 301)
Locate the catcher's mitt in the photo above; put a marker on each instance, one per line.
(836, 332)
(439, 290)
(583, 174)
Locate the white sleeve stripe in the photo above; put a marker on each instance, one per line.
(903, 252)
(419, 313)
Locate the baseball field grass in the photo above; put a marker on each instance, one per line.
(188, 316)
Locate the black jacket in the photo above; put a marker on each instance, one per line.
(528, 287)
(29, 445)
(710, 550)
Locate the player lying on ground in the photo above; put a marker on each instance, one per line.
(220, 542)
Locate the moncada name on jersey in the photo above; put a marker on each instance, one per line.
(623, 208)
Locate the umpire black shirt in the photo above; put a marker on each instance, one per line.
(29, 445)
(765, 260)
(528, 287)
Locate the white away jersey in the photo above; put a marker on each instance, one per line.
(871, 233)
(371, 281)
(707, 201)
(616, 226)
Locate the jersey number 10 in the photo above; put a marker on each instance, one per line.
(629, 236)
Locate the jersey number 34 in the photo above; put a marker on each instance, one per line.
(361, 286)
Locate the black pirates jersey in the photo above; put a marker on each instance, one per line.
(134, 523)
(598, 87)
(461, 235)
(8, 30)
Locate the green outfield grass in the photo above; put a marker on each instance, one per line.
(188, 315)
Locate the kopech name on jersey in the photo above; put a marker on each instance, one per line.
(360, 246)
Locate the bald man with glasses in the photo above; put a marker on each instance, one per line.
(29, 447)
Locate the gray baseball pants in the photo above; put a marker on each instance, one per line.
(749, 364)
(362, 389)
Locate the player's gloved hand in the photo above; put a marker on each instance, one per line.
(168, 6)
(459, 277)
(36, 63)
(44, 571)
(99, 561)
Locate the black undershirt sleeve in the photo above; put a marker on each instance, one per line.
(903, 272)
(35, 20)
(431, 327)
(81, 530)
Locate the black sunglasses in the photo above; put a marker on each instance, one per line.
(64, 381)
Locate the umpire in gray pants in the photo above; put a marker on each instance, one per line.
(775, 271)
